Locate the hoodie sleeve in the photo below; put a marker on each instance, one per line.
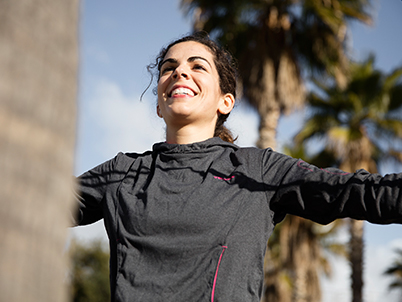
(93, 185)
(323, 195)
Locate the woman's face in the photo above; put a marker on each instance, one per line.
(188, 87)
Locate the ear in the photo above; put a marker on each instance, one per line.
(158, 111)
(227, 103)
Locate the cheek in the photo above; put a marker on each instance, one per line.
(162, 84)
(159, 88)
(215, 90)
(215, 83)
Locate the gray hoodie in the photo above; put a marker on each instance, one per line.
(191, 222)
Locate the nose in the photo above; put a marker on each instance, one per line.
(180, 72)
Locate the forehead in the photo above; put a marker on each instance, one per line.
(189, 49)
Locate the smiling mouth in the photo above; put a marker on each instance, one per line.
(181, 91)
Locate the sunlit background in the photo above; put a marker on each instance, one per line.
(119, 39)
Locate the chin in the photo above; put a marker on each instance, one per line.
(180, 111)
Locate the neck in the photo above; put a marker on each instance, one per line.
(188, 135)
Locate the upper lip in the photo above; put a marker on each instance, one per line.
(180, 86)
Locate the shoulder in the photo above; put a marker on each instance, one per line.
(253, 153)
(122, 160)
(120, 163)
(265, 159)
(249, 157)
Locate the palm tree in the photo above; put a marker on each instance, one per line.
(358, 123)
(299, 250)
(38, 86)
(395, 271)
(272, 41)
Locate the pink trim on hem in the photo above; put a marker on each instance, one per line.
(216, 273)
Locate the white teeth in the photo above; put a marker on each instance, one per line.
(182, 91)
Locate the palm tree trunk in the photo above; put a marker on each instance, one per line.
(277, 287)
(267, 129)
(300, 285)
(359, 156)
(303, 253)
(356, 258)
(38, 87)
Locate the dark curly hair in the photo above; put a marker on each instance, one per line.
(226, 70)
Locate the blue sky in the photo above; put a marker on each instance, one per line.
(119, 39)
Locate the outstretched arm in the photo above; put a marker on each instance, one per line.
(97, 185)
(324, 195)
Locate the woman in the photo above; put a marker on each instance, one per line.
(189, 220)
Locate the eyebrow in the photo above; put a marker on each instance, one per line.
(190, 59)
